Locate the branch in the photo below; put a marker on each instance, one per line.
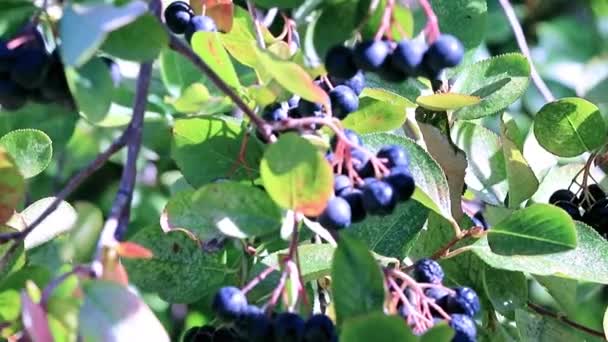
(544, 312)
(523, 46)
(180, 47)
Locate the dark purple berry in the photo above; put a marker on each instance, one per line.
(354, 198)
(428, 271)
(391, 74)
(309, 109)
(275, 112)
(402, 181)
(464, 328)
(177, 16)
(200, 23)
(12, 96)
(571, 209)
(356, 83)
(408, 55)
(30, 68)
(464, 301)
(379, 198)
(562, 195)
(362, 163)
(446, 52)
(319, 328)
(343, 101)
(7, 57)
(337, 214)
(288, 327)
(341, 183)
(229, 302)
(339, 62)
(395, 156)
(370, 55)
(351, 136)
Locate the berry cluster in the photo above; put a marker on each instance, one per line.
(245, 322)
(395, 62)
(461, 303)
(29, 72)
(360, 193)
(180, 19)
(592, 202)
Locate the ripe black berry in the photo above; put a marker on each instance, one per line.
(408, 55)
(395, 156)
(30, 67)
(569, 208)
(370, 55)
(379, 198)
(225, 334)
(308, 109)
(362, 163)
(428, 271)
(594, 193)
(562, 195)
(341, 183)
(275, 112)
(351, 136)
(6, 57)
(402, 182)
(339, 62)
(464, 301)
(354, 198)
(288, 327)
(319, 328)
(229, 302)
(356, 83)
(177, 16)
(200, 23)
(446, 52)
(12, 96)
(391, 74)
(343, 101)
(464, 328)
(337, 214)
(597, 216)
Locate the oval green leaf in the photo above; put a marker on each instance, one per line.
(537, 229)
(296, 176)
(446, 101)
(569, 127)
(374, 116)
(31, 149)
(209, 48)
(92, 88)
(127, 43)
(12, 186)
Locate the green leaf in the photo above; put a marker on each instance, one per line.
(507, 290)
(60, 221)
(87, 229)
(357, 281)
(441, 332)
(498, 81)
(376, 327)
(428, 175)
(446, 101)
(522, 181)
(31, 149)
(177, 72)
(587, 262)
(14, 14)
(10, 305)
(388, 97)
(569, 127)
(466, 19)
(283, 4)
(292, 77)
(387, 235)
(486, 173)
(12, 185)
(97, 20)
(296, 176)
(15, 260)
(535, 327)
(564, 291)
(140, 41)
(236, 210)
(537, 229)
(209, 48)
(92, 88)
(559, 177)
(375, 116)
(196, 99)
(180, 271)
(112, 312)
(207, 148)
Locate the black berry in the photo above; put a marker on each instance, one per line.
(341, 183)
(464, 328)
(354, 198)
(569, 208)
(562, 195)
(378, 198)
(402, 182)
(408, 55)
(337, 214)
(229, 302)
(356, 83)
(428, 271)
(177, 16)
(395, 156)
(200, 23)
(446, 52)
(30, 67)
(339, 62)
(464, 301)
(275, 113)
(370, 55)
(343, 101)
(289, 327)
(319, 328)
(12, 96)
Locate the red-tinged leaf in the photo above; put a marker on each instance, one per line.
(35, 320)
(222, 12)
(12, 186)
(132, 250)
(208, 46)
(115, 272)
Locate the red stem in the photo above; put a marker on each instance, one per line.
(432, 23)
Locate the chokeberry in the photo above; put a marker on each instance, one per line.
(30, 67)
(229, 302)
(343, 101)
(308, 109)
(594, 193)
(569, 208)
(177, 16)
(200, 23)
(55, 85)
(402, 181)
(288, 327)
(390, 73)
(428, 271)
(370, 55)
(562, 195)
(293, 101)
(319, 328)
(6, 57)
(597, 216)
(12, 96)
(445, 52)
(464, 301)
(361, 163)
(379, 198)
(354, 198)
(356, 83)
(337, 214)
(275, 112)
(464, 328)
(408, 55)
(225, 334)
(256, 327)
(395, 156)
(436, 293)
(351, 136)
(341, 183)
(339, 62)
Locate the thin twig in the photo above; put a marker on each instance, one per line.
(523, 46)
(544, 312)
(262, 126)
(256, 25)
